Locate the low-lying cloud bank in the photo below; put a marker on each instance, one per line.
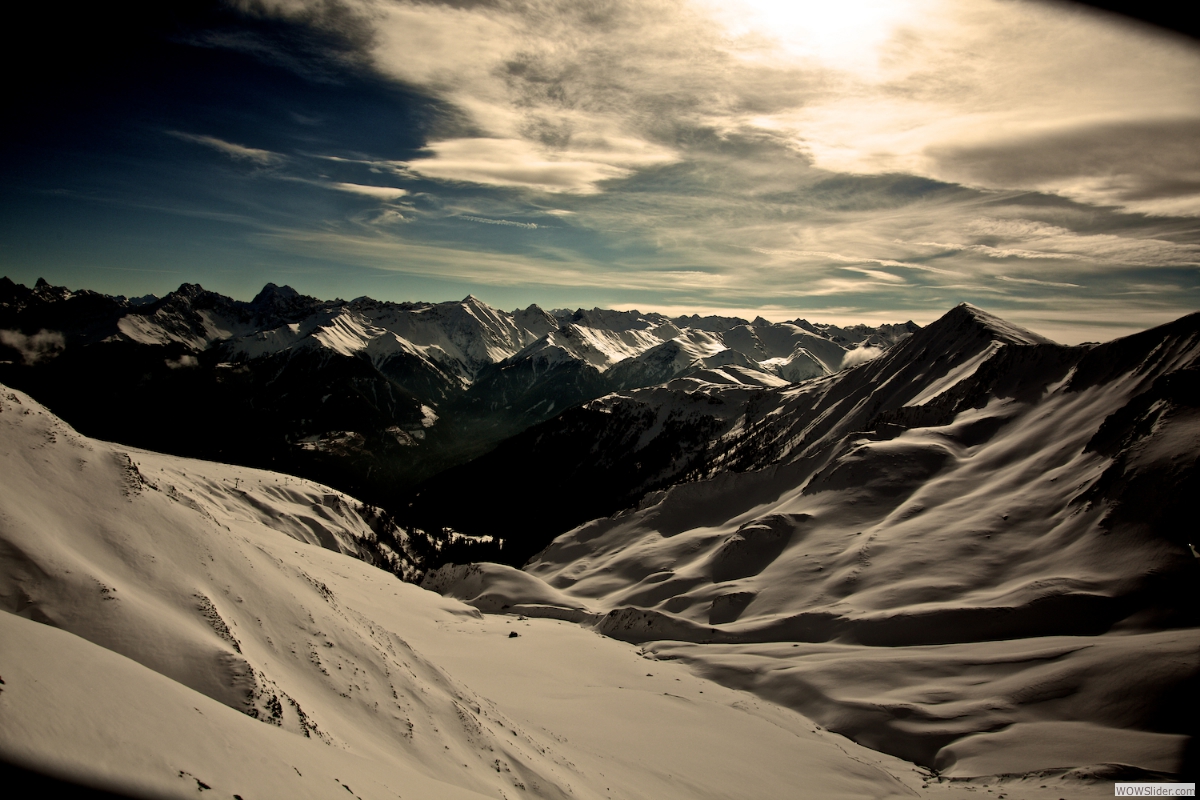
(34, 348)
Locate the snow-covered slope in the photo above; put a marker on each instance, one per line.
(779, 344)
(966, 552)
(682, 355)
(80, 712)
(197, 319)
(173, 594)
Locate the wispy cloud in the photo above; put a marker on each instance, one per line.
(508, 222)
(842, 258)
(1036, 282)
(381, 192)
(231, 149)
(1149, 165)
(1103, 248)
(997, 252)
(877, 274)
(518, 163)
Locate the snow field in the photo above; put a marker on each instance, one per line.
(170, 601)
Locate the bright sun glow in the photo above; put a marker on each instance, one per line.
(847, 35)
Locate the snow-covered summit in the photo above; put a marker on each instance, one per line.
(606, 319)
(1001, 329)
(277, 300)
(709, 323)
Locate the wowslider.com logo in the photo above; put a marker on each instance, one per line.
(1155, 789)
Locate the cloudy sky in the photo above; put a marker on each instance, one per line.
(843, 161)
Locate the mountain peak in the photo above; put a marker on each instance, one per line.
(273, 293)
(965, 314)
(48, 292)
(472, 302)
(189, 290)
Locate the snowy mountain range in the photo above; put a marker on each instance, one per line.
(369, 396)
(611, 452)
(963, 564)
(964, 553)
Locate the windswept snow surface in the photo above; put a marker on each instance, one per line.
(173, 594)
(971, 552)
(83, 713)
(154, 330)
(960, 373)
